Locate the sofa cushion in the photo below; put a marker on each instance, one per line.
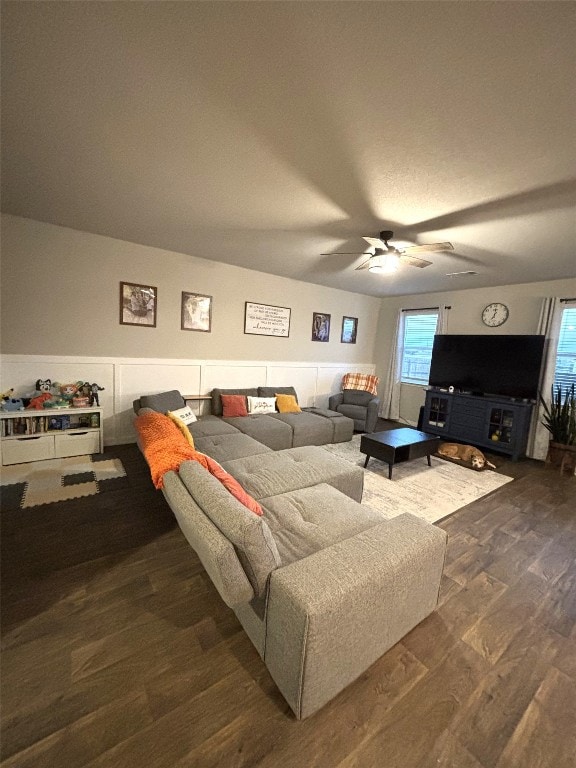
(249, 533)
(215, 551)
(326, 412)
(307, 520)
(261, 404)
(229, 446)
(265, 429)
(164, 401)
(343, 427)
(186, 414)
(356, 412)
(273, 391)
(182, 427)
(217, 397)
(230, 483)
(355, 397)
(287, 404)
(233, 405)
(282, 471)
(211, 425)
(308, 429)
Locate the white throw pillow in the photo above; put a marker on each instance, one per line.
(185, 414)
(261, 404)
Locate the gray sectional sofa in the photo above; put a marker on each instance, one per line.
(322, 585)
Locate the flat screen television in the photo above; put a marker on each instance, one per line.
(506, 366)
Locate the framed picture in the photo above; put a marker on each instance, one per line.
(349, 330)
(320, 326)
(266, 320)
(196, 312)
(138, 304)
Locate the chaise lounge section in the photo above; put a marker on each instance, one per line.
(322, 585)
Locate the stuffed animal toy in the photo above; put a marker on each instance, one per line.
(69, 390)
(4, 396)
(44, 385)
(38, 402)
(94, 389)
(13, 404)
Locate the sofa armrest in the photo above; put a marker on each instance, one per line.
(334, 613)
(335, 400)
(372, 414)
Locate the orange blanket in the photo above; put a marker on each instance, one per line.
(163, 445)
(165, 448)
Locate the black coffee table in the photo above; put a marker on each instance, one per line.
(397, 445)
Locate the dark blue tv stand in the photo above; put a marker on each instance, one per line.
(495, 423)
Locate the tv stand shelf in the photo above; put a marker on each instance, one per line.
(495, 423)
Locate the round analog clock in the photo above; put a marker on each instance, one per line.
(495, 314)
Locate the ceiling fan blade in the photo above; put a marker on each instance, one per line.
(344, 253)
(428, 248)
(365, 264)
(413, 261)
(374, 242)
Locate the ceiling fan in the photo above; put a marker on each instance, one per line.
(387, 258)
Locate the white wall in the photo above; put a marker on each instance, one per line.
(60, 320)
(523, 300)
(60, 296)
(125, 379)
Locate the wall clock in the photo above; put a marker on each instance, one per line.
(495, 314)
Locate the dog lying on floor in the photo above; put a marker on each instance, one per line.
(465, 454)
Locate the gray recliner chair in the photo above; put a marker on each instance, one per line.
(358, 405)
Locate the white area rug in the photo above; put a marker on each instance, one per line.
(428, 492)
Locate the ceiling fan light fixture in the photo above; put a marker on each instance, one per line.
(384, 263)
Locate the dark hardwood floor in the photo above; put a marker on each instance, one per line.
(117, 650)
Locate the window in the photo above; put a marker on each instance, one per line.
(565, 374)
(418, 338)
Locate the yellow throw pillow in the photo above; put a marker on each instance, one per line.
(182, 427)
(287, 404)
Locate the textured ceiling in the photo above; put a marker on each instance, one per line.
(267, 134)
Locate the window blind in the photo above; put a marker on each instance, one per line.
(419, 330)
(565, 374)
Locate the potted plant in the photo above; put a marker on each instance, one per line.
(559, 418)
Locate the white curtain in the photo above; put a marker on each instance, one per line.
(390, 405)
(548, 326)
(442, 324)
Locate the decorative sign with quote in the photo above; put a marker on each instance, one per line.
(265, 320)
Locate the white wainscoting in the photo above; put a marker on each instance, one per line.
(125, 379)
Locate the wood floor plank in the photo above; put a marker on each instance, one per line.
(553, 561)
(464, 609)
(345, 723)
(448, 752)
(173, 736)
(87, 737)
(479, 556)
(519, 557)
(536, 741)
(395, 741)
(491, 635)
(118, 651)
(488, 719)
